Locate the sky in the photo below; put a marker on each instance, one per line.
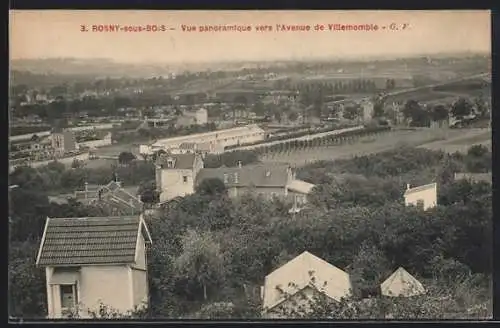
(57, 33)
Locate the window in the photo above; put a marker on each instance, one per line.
(236, 177)
(68, 297)
(185, 179)
(420, 203)
(226, 178)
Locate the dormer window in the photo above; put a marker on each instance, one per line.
(170, 163)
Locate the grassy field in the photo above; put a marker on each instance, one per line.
(462, 142)
(422, 137)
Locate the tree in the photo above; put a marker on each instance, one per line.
(461, 108)
(149, 193)
(390, 84)
(352, 112)
(27, 286)
(293, 116)
(368, 269)
(201, 260)
(411, 109)
(76, 164)
(125, 158)
(259, 108)
(415, 112)
(439, 113)
(211, 187)
(378, 106)
(482, 107)
(158, 154)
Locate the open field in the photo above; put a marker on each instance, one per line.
(368, 145)
(462, 142)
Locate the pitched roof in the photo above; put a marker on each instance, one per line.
(248, 176)
(401, 283)
(296, 275)
(420, 188)
(88, 241)
(113, 191)
(180, 161)
(300, 186)
(126, 198)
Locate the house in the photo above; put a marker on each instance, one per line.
(424, 196)
(176, 173)
(474, 177)
(112, 194)
(305, 275)
(401, 283)
(89, 261)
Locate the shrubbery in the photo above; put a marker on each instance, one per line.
(210, 253)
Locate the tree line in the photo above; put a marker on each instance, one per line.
(211, 252)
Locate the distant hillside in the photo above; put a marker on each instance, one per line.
(88, 67)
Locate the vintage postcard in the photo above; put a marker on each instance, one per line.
(250, 165)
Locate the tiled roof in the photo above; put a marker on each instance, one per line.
(420, 188)
(298, 273)
(181, 161)
(112, 190)
(127, 198)
(87, 241)
(112, 186)
(247, 176)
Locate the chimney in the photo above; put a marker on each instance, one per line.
(239, 164)
(407, 186)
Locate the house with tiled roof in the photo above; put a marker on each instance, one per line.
(298, 281)
(401, 283)
(178, 175)
(93, 261)
(112, 194)
(422, 196)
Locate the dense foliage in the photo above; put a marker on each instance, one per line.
(211, 253)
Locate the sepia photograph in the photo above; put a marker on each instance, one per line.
(232, 165)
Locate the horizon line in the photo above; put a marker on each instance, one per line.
(288, 59)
